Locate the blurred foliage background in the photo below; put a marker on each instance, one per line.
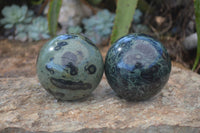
(174, 22)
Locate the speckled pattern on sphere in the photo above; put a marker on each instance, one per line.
(137, 67)
(69, 67)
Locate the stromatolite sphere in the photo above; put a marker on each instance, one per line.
(69, 67)
(137, 67)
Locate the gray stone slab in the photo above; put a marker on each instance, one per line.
(26, 106)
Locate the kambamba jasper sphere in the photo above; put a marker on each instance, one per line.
(69, 67)
(137, 67)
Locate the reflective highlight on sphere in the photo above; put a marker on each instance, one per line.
(137, 67)
(70, 67)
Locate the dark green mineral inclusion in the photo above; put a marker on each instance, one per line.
(137, 67)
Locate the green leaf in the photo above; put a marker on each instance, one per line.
(30, 13)
(22, 36)
(3, 21)
(74, 30)
(124, 16)
(197, 14)
(36, 2)
(28, 20)
(53, 13)
(8, 26)
(144, 6)
(45, 36)
(20, 28)
(94, 2)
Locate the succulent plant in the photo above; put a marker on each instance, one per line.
(141, 28)
(99, 26)
(14, 15)
(38, 29)
(35, 31)
(74, 30)
(137, 16)
(26, 26)
(137, 26)
(21, 33)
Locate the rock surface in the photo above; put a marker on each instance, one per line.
(26, 107)
(190, 42)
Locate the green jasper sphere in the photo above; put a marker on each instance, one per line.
(69, 67)
(137, 67)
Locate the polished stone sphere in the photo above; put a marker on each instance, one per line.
(69, 67)
(137, 67)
